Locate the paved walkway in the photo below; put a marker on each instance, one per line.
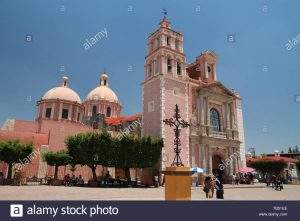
(241, 192)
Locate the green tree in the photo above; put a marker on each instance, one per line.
(131, 152)
(125, 154)
(150, 151)
(91, 149)
(12, 151)
(268, 166)
(57, 159)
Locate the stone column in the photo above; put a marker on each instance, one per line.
(192, 154)
(215, 72)
(207, 111)
(209, 161)
(172, 43)
(183, 68)
(60, 110)
(197, 155)
(52, 110)
(205, 68)
(44, 110)
(98, 108)
(70, 112)
(229, 155)
(207, 117)
(232, 113)
(203, 156)
(163, 40)
(227, 115)
(164, 65)
(159, 62)
(200, 109)
(180, 47)
(76, 114)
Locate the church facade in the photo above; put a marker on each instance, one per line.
(215, 139)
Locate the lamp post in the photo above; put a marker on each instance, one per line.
(177, 122)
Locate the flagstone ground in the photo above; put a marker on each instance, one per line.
(245, 192)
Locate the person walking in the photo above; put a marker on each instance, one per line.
(206, 186)
(233, 179)
(237, 179)
(219, 188)
(212, 187)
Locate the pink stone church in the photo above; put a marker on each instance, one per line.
(214, 141)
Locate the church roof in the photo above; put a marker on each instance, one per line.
(114, 121)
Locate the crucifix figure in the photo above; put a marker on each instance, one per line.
(178, 123)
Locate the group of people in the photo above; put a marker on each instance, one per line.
(276, 182)
(73, 180)
(210, 184)
(243, 178)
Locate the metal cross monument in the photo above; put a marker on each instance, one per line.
(178, 123)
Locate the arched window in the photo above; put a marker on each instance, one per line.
(94, 110)
(169, 64)
(65, 113)
(178, 67)
(168, 41)
(215, 120)
(108, 112)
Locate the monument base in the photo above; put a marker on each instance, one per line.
(178, 183)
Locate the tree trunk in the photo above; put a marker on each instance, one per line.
(94, 173)
(9, 171)
(136, 174)
(127, 174)
(55, 172)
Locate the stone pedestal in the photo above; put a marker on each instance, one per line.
(178, 181)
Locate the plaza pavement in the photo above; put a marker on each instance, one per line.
(241, 192)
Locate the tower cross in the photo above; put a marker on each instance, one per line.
(165, 12)
(177, 122)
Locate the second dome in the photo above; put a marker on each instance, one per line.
(103, 92)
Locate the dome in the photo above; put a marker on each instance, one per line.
(62, 92)
(103, 92)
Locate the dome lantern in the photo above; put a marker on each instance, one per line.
(64, 81)
(104, 79)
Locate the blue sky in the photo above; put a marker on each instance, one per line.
(257, 64)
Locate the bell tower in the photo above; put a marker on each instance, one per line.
(165, 85)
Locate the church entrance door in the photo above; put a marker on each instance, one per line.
(216, 162)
